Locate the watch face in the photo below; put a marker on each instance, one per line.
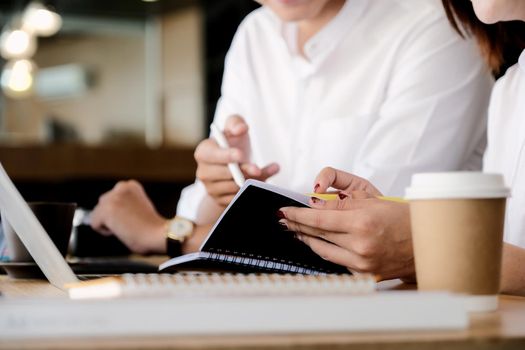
(180, 229)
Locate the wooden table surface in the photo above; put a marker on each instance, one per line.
(504, 329)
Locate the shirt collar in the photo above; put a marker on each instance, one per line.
(521, 61)
(329, 36)
(334, 32)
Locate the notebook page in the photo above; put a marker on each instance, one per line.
(285, 192)
(301, 198)
(32, 234)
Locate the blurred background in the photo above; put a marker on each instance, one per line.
(96, 91)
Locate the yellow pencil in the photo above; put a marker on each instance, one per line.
(335, 196)
(393, 199)
(324, 196)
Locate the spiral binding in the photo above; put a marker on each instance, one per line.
(228, 284)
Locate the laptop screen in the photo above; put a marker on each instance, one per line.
(32, 234)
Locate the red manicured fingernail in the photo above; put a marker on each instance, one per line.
(280, 214)
(283, 224)
(342, 195)
(316, 187)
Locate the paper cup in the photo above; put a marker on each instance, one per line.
(457, 227)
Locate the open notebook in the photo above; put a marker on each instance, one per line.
(248, 238)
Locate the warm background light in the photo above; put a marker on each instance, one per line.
(17, 43)
(41, 20)
(18, 78)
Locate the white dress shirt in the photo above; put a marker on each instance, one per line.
(506, 146)
(386, 89)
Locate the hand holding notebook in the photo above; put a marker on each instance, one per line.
(248, 238)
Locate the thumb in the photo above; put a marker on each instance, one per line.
(261, 174)
(269, 171)
(235, 126)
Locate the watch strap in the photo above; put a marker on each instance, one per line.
(173, 247)
(178, 230)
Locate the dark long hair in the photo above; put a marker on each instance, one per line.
(500, 43)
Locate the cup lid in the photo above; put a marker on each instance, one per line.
(455, 185)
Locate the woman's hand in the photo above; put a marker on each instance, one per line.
(212, 162)
(359, 231)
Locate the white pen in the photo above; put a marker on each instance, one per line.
(236, 172)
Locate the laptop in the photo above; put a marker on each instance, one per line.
(36, 240)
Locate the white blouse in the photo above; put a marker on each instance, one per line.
(506, 146)
(387, 89)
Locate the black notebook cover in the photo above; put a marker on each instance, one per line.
(248, 238)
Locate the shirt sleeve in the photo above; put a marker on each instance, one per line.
(434, 115)
(231, 102)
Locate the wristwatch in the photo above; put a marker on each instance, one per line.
(178, 230)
